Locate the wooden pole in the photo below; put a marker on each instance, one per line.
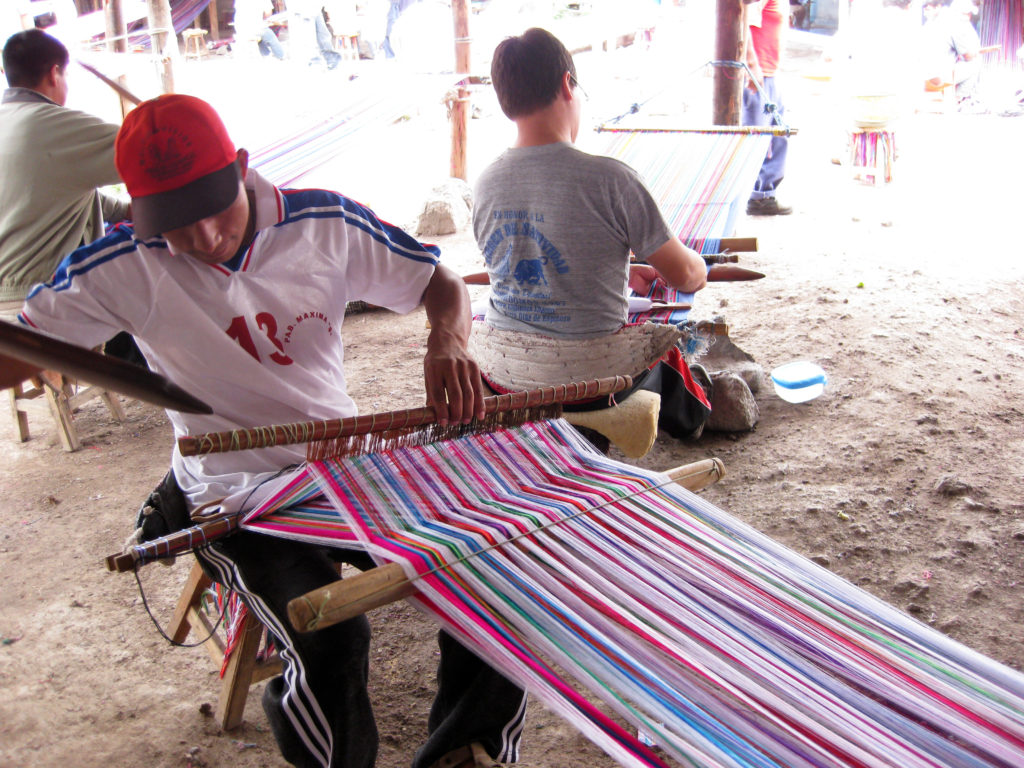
(213, 20)
(117, 42)
(460, 107)
(113, 14)
(164, 40)
(730, 35)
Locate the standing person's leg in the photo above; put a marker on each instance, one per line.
(762, 200)
(393, 13)
(269, 41)
(474, 703)
(319, 708)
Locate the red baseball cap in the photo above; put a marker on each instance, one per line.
(176, 159)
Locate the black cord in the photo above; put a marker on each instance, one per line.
(224, 608)
(164, 635)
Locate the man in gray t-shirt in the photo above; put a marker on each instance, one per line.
(556, 225)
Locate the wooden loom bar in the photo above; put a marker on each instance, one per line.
(330, 429)
(738, 244)
(722, 272)
(743, 130)
(347, 598)
(173, 544)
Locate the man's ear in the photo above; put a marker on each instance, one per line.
(52, 76)
(567, 87)
(242, 158)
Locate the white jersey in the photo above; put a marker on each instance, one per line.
(257, 338)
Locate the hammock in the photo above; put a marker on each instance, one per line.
(183, 13)
(673, 617)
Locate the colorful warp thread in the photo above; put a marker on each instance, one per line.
(1002, 24)
(372, 103)
(700, 180)
(675, 618)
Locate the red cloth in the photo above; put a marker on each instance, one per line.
(767, 38)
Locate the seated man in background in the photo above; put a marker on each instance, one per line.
(52, 159)
(237, 290)
(952, 48)
(556, 225)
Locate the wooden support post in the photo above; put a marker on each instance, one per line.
(212, 20)
(113, 14)
(460, 107)
(164, 40)
(117, 42)
(730, 37)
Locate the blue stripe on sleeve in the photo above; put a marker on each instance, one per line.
(118, 242)
(322, 204)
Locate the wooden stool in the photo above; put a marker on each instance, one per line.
(348, 45)
(244, 668)
(195, 43)
(872, 154)
(63, 400)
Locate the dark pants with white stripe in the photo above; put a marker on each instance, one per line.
(319, 709)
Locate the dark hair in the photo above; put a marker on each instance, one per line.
(29, 55)
(527, 71)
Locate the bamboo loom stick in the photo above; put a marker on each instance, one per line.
(738, 244)
(348, 598)
(330, 429)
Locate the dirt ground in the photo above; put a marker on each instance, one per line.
(904, 477)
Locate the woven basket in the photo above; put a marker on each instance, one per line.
(515, 360)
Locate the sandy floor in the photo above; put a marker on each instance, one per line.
(904, 477)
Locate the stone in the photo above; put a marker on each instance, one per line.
(724, 355)
(447, 209)
(733, 407)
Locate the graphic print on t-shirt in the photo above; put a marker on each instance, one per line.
(522, 262)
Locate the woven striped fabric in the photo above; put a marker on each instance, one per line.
(625, 602)
(701, 180)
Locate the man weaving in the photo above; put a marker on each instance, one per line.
(556, 226)
(237, 290)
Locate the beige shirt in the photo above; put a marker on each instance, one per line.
(52, 160)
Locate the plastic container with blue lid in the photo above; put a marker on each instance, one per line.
(799, 382)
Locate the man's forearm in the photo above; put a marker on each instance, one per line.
(447, 305)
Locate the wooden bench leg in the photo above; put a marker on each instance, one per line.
(243, 669)
(61, 410)
(238, 676)
(16, 394)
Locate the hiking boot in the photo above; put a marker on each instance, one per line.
(473, 756)
(767, 206)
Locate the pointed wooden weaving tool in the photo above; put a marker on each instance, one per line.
(727, 273)
(50, 353)
(347, 598)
